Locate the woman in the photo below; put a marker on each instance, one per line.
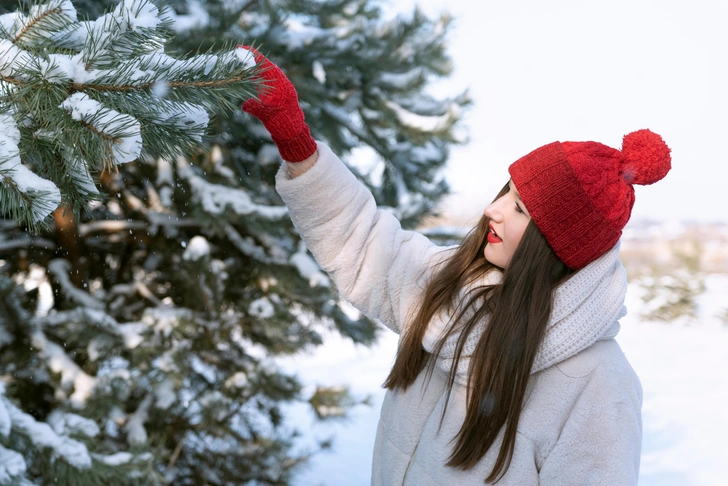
(507, 369)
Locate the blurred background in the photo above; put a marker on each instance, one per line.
(571, 71)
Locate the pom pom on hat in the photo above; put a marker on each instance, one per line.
(645, 158)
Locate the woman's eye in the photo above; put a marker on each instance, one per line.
(518, 208)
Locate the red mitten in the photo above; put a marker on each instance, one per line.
(277, 108)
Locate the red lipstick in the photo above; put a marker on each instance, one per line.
(493, 236)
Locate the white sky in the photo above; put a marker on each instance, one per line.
(574, 70)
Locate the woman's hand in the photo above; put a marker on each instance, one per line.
(278, 109)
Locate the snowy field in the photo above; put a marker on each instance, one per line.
(684, 372)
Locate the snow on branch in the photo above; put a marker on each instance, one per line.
(65, 423)
(81, 177)
(247, 246)
(42, 20)
(79, 97)
(59, 268)
(423, 123)
(308, 268)
(136, 434)
(12, 465)
(122, 131)
(72, 376)
(403, 81)
(129, 332)
(42, 436)
(216, 198)
(114, 33)
(18, 184)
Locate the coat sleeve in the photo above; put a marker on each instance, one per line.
(601, 441)
(376, 265)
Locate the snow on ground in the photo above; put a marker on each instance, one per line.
(364, 369)
(683, 367)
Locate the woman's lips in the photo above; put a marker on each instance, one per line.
(493, 236)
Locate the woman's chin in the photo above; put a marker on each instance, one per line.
(492, 258)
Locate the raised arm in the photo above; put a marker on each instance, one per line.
(376, 265)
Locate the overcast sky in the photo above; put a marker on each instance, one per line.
(574, 70)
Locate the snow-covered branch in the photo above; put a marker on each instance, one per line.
(59, 268)
(121, 132)
(136, 434)
(20, 188)
(216, 198)
(72, 376)
(95, 94)
(43, 436)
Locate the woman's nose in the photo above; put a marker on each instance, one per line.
(492, 211)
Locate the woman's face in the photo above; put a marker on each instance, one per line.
(508, 221)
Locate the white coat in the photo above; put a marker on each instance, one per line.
(581, 421)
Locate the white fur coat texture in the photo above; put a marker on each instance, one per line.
(581, 421)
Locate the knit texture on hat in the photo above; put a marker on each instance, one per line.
(586, 309)
(580, 194)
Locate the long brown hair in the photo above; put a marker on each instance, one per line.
(518, 308)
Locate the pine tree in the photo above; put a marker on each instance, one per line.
(159, 314)
(79, 98)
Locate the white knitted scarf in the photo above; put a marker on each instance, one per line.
(586, 309)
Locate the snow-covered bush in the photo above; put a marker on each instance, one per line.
(671, 292)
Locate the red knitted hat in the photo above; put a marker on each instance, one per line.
(580, 194)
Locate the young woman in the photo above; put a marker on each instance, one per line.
(507, 369)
